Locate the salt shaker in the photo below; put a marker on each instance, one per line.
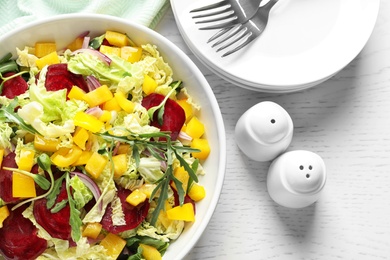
(295, 179)
(264, 131)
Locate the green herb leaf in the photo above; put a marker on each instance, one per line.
(60, 205)
(51, 197)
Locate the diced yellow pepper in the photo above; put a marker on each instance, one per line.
(195, 128)
(4, 213)
(23, 186)
(98, 96)
(88, 122)
(182, 175)
(114, 245)
(123, 148)
(76, 93)
(120, 164)
(116, 38)
(92, 230)
(1, 156)
(80, 137)
(147, 189)
(184, 212)
(203, 146)
(149, 85)
(49, 59)
(106, 116)
(65, 156)
(197, 192)
(124, 103)
(26, 160)
(46, 144)
(76, 44)
(83, 159)
(109, 50)
(187, 107)
(112, 105)
(44, 48)
(28, 138)
(150, 252)
(136, 197)
(131, 54)
(96, 165)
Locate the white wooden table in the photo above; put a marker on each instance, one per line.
(346, 120)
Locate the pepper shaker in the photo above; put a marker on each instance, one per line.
(295, 179)
(264, 131)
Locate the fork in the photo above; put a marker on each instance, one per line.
(225, 13)
(244, 33)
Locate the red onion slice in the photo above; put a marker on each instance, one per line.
(91, 185)
(98, 54)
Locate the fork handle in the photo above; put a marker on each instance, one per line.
(270, 4)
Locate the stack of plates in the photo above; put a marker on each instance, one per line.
(305, 43)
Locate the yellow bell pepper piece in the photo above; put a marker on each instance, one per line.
(203, 146)
(136, 197)
(28, 138)
(88, 122)
(112, 105)
(44, 48)
(4, 213)
(197, 192)
(26, 160)
(182, 175)
(49, 59)
(46, 144)
(116, 38)
(195, 128)
(23, 186)
(76, 44)
(76, 93)
(149, 85)
(147, 189)
(92, 230)
(109, 50)
(187, 107)
(131, 54)
(150, 252)
(123, 149)
(83, 159)
(80, 137)
(114, 245)
(163, 218)
(96, 165)
(120, 164)
(124, 103)
(106, 116)
(98, 96)
(65, 156)
(1, 156)
(184, 212)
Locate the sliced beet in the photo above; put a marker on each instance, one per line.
(58, 77)
(133, 215)
(56, 224)
(174, 116)
(13, 87)
(18, 237)
(6, 178)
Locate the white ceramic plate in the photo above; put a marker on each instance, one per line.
(305, 43)
(63, 29)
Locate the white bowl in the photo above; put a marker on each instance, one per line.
(304, 44)
(63, 29)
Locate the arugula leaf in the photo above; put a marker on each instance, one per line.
(8, 114)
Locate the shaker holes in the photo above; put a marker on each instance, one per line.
(273, 121)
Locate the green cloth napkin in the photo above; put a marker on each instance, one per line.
(15, 13)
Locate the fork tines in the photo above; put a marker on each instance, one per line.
(218, 15)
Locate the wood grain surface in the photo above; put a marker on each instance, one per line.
(346, 120)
